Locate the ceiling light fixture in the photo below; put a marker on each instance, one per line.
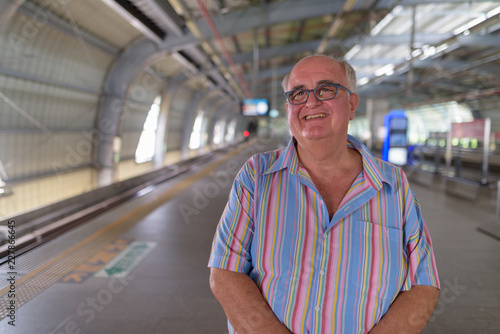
(363, 81)
(385, 70)
(386, 20)
(351, 53)
(476, 21)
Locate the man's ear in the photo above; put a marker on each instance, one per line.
(353, 105)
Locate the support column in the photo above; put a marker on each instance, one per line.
(212, 120)
(376, 109)
(224, 113)
(113, 106)
(7, 10)
(369, 117)
(161, 130)
(199, 100)
(486, 150)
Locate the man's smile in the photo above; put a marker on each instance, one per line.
(315, 116)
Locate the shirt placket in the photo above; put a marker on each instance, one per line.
(319, 277)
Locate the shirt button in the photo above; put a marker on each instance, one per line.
(322, 272)
(316, 308)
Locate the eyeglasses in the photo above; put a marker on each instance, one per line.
(322, 93)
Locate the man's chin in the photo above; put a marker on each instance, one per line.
(314, 137)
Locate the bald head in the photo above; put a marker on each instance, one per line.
(349, 71)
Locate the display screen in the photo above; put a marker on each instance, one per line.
(397, 139)
(255, 107)
(398, 124)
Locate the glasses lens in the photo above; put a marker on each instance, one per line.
(297, 96)
(326, 92)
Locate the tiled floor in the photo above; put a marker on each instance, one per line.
(468, 262)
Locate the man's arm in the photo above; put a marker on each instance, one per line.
(410, 311)
(243, 303)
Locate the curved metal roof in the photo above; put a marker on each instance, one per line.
(411, 51)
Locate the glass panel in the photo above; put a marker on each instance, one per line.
(195, 140)
(146, 146)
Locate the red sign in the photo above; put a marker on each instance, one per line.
(474, 129)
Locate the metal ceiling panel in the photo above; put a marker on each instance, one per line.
(94, 17)
(168, 67)
(51, 55)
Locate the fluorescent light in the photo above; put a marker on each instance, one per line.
(493, 12)
(386, 20)
(351, 53)
(416, 53)
(363, 81)
(469, 25)
(441, 48)
(387, 70)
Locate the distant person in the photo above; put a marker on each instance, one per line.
(252, 128)
(321, 237)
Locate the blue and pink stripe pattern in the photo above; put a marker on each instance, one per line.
(320, 275)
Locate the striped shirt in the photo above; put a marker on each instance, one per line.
(320, 275)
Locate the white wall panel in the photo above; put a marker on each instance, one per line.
(52, 107)
(25, 155)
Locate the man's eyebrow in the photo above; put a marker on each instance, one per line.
(298, 87)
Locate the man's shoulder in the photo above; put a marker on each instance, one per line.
(264, 160)
(258, 164)
(393, 174)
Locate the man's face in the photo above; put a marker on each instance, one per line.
(331, 117)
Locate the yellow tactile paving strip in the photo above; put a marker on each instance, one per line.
(35, 282)
(96, 262)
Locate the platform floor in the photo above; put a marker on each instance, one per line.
(159, 244)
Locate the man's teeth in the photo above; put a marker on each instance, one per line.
(315, 116)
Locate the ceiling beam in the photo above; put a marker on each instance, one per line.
(277, 51)
(255, 17)
(479, 40)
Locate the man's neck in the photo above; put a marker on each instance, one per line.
(325, 155)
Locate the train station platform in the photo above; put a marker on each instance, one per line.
(142, 266)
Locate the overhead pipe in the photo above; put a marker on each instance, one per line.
(337, 23)
(494, 57)
(228, 56)
(412, 48)
(180, 8)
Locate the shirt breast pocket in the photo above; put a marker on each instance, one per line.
(376, 262)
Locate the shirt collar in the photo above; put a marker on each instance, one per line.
(287, 159)
(371, 168)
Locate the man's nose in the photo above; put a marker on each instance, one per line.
(312, 101)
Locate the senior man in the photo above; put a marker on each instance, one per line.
(321, 237)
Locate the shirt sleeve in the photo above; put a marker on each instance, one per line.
(421, 264)
(233, 237)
